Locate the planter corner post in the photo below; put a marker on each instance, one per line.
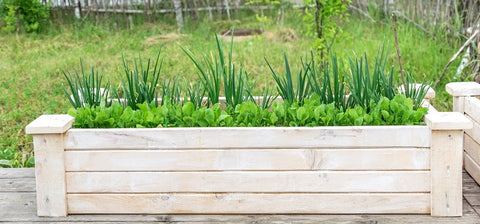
(461, 90)
(446, 161)
(48, 132)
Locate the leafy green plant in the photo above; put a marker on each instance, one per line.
(366, 87)
(416, 92)
(285, 84)
(397, 111)
(139, 84)
(171, 91)
(331, 88)
(236, 85)
(268, 98)
(30, 15)
(209, 75)
(195, 93)
(86, 88)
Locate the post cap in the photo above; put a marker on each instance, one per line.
(463, 88)
(448, 121)
(50, 124)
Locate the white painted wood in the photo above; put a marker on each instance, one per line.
(50, 124)
(475, 131)
(472, 148)
(447, 121)
(254, 159)
(472, 167)
(463, 88)
(277, 137)
(472, 108)
(238, 203)
(50, 175)
(431, 109)
(459, 104)
(446, 172)
(242, 181)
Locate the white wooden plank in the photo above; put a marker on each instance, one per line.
(17, 185)
(459, 104)
(446, 172)
(242, 181)
(50, 124)
(447, 121)
(277, 137)
(11, 173)
(222, 203)
(472, 148)
(463, 88)
(430, 107)
(472, 108)
(254, 159)
(50, 175)
(472, 167)
(475, 131)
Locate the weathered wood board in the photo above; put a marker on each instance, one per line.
(253, 159)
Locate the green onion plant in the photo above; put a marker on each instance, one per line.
(139, 84)
(86, 89)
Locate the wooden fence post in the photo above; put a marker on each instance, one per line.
(177, 4)
(460, 90)
(446, 161)
(48, 131)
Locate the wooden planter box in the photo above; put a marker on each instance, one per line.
(350, 170)
(465, 100)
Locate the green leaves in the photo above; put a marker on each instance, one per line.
(85, 89)
(139, 84)
(398, 111)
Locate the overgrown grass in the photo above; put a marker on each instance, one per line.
(32, 65)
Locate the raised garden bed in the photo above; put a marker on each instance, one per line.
(465, 100)
(349, 170)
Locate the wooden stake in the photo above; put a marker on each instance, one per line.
(402, 72)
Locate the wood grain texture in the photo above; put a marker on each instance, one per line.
(17, 185)
(223, 203)
(50, 175)
(472, 167)
(254, 159)
(474, 133)
(472, 148)
(50, 124)
(241, 181)
(11, 173)
(214, 138)
(20, 207)
(472, 108)
(446, 173)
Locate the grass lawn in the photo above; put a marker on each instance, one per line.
(32, 65)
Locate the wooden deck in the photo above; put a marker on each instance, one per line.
(17, 205)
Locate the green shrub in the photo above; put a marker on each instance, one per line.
(29, 15)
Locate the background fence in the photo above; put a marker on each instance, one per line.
(434, 17)
(449, 17)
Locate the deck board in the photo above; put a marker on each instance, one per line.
(17, 205)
